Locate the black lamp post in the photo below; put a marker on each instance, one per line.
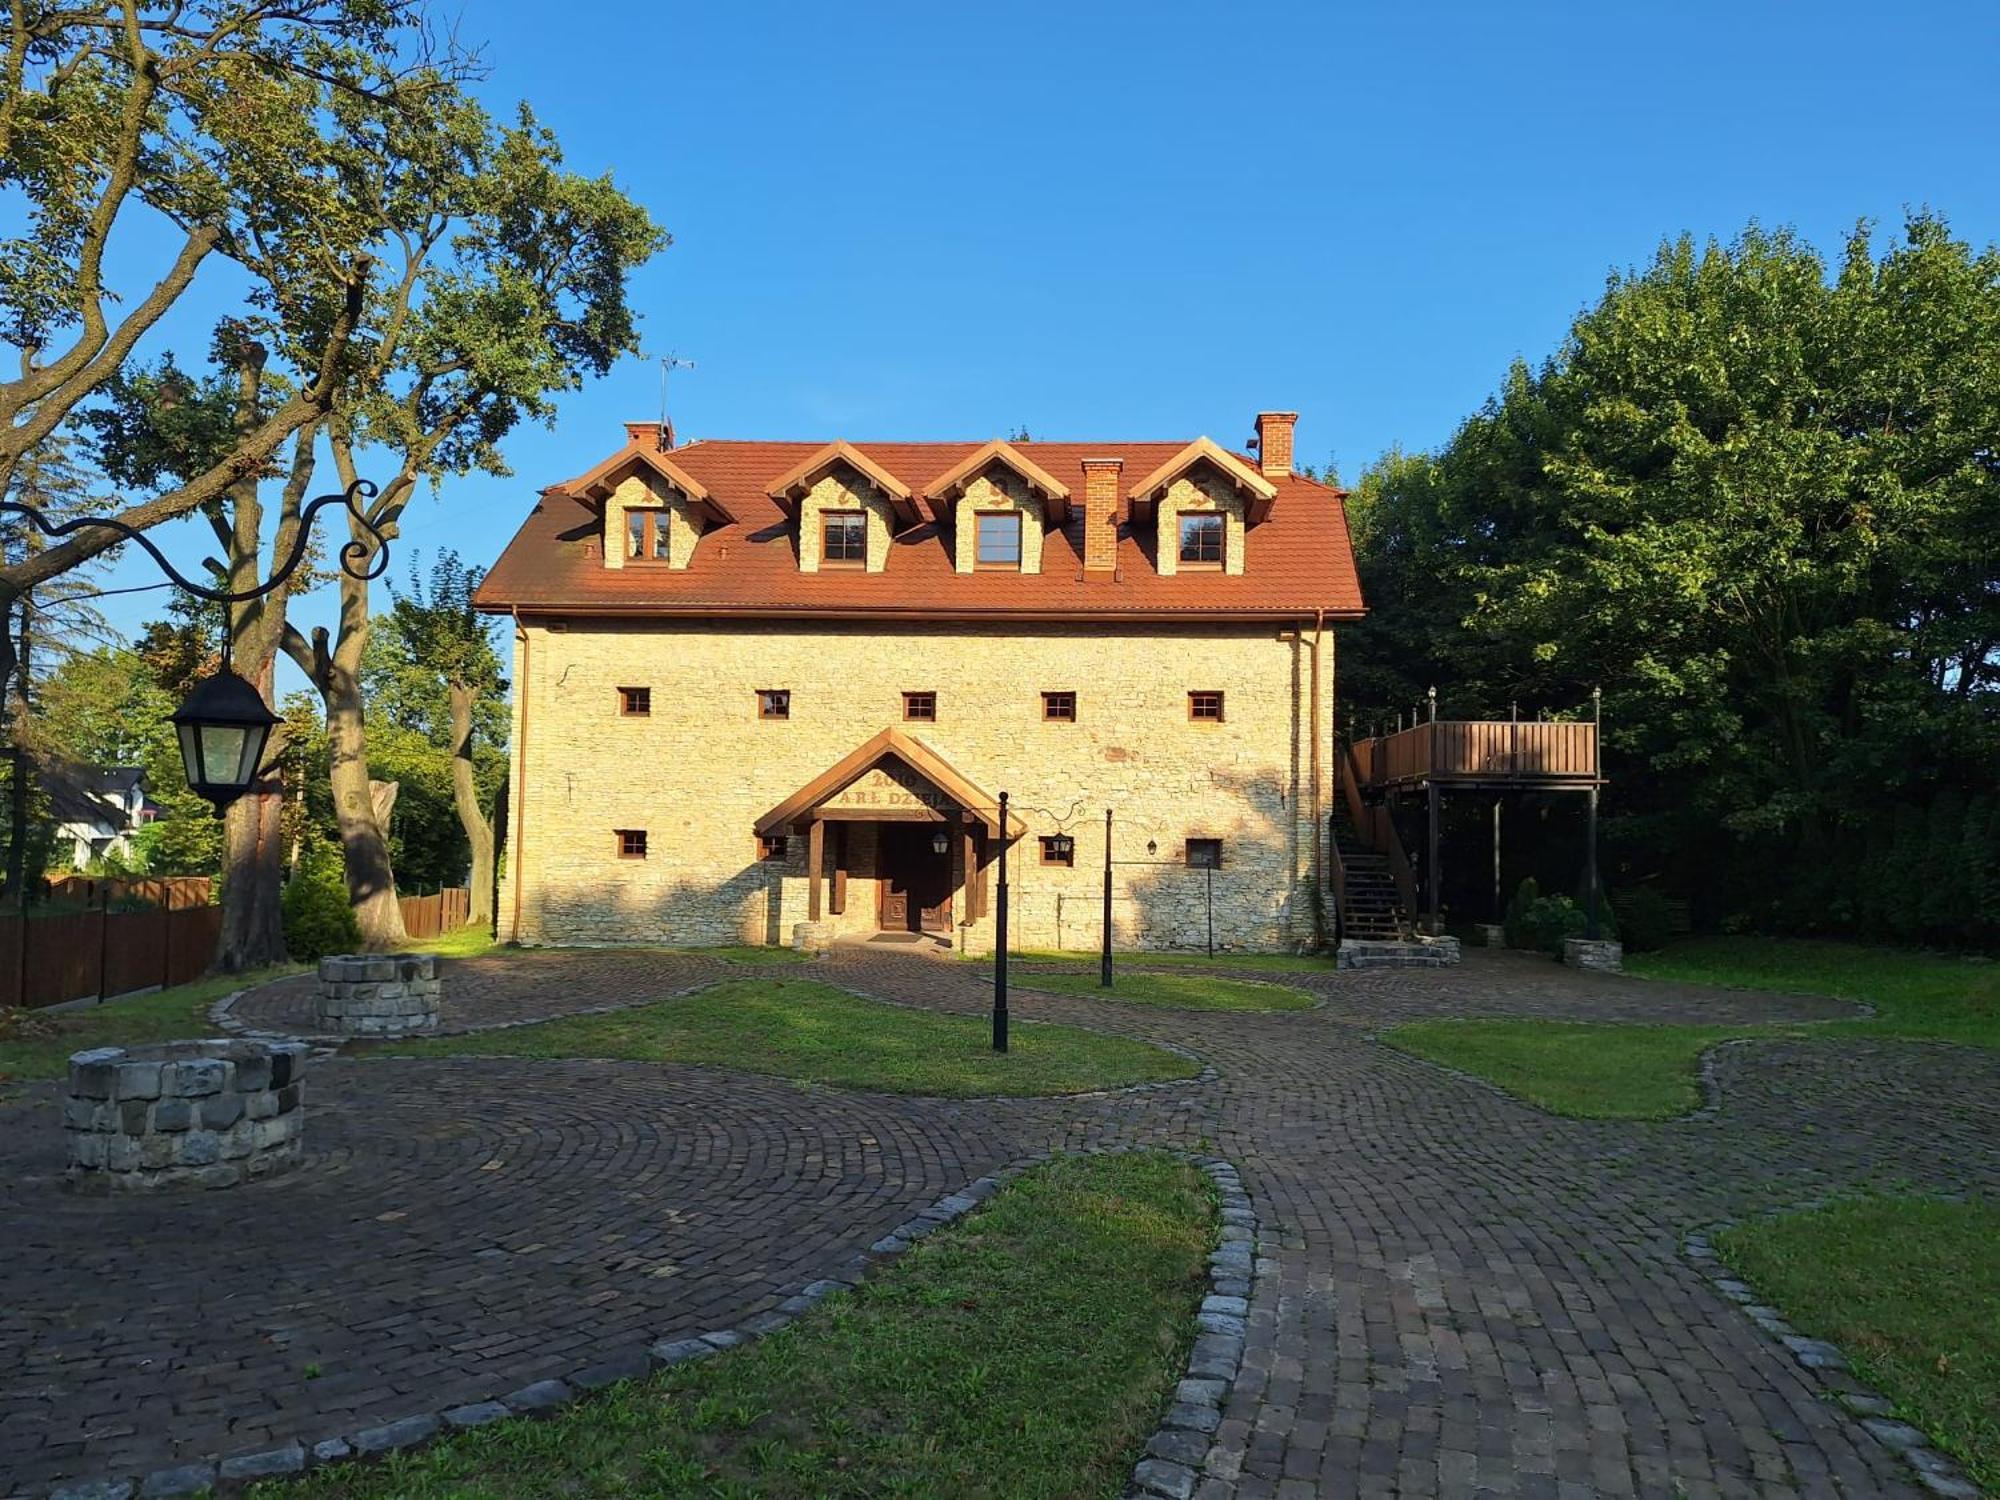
(225, 723)
(223, 727)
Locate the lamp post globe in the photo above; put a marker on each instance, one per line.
(223, 728)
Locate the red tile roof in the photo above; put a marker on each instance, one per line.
(1296, 562)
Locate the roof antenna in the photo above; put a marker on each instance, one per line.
(670, 362)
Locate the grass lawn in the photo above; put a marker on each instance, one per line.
(799, 1028)
(463, 942)
(1177, 991)
(1910, 1290)
(1573, 1067)
(37, 1043)
(1933, 996)
(1278, 963)
(769, 954)
(1025, 1352)
(1639, 1072)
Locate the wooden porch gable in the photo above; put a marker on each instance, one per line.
(861, 784)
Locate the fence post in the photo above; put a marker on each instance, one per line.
(103, 940)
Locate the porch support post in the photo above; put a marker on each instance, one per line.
(815, 862)
(1499, 906)
(1431, 857)
(970, 852)
(1590, 866)
(837, 895)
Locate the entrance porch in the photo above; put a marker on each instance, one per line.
(897, 841)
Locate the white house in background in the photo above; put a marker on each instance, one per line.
(95, 811)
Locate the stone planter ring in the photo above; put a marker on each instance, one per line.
(377, 994)
(200, 1114)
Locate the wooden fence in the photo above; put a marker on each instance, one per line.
(438, 913)
(174, 892)
(98, 954)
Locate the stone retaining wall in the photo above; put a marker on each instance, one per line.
(386, 995)
(202, 1113)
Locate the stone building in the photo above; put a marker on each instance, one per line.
(767, 692)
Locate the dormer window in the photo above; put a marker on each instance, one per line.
(1201, 540)
(843, 539)
(646, 536)
(998, 539)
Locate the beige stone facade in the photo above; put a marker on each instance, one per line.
(698, 773)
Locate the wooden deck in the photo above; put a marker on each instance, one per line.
(1482, 752)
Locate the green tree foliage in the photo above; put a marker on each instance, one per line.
(161, 139)
(437, 723)
(318, 917)
(108, 708)
(1758, 501)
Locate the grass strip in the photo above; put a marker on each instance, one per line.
(1909, 1288)
(1022, 1354)
(37, 1043)
(1177, 991)
(800, 1028)
(1649, 1072)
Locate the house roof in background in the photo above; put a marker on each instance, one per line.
(1299, 561)
(89, 794)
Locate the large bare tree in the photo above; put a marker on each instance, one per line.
(521, 296)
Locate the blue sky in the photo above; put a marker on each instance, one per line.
(1150, 221)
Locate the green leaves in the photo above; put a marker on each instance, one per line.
(1754, 497)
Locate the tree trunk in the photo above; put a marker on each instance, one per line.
(253, 844)
(253, 867)
(19, 765)
(364, 843)
(465, 792)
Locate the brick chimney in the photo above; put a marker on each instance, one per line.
(647, 435)
(1274, 442)
(1100, 513)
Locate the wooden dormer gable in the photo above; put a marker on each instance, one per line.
(674, 509)
(1206, 480)
(841, 480)
(950, 486)
(1257, 491)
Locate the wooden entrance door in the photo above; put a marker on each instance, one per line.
(916, 879)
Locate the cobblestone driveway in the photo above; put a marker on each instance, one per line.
(1470, 1297)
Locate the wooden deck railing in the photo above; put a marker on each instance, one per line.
(1481, 750)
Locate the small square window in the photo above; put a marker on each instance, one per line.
(774, 703)
(635, 702)
(844, 538)
(646, 535)
(1058, 849)
(771, 846)
(1204, 854)
(1205, 707)
(631, 843)
(1201, 540)
(998, 539)
(920, 706)
(1059, 708)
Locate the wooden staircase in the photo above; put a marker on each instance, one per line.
(1370, 909)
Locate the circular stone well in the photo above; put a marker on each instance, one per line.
(204, 1114)
(378, 994)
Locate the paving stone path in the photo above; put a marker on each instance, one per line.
(1471, 1297)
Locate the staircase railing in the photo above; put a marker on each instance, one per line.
(1377, 829)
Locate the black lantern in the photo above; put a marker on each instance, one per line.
(940, 842)
(223, 728)
(1062, 849)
